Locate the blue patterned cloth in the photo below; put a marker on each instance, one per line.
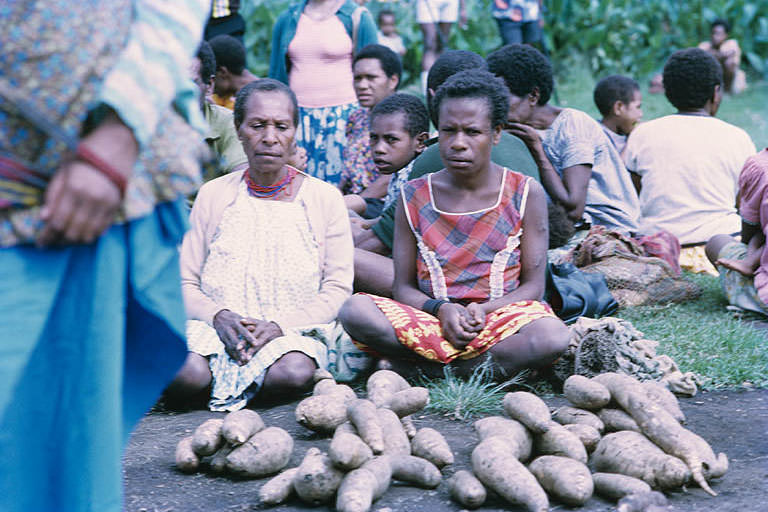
(322, 133)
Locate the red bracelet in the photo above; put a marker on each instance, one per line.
(103, 167)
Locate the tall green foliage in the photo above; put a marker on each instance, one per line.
(628, 36)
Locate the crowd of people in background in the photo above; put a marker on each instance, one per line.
(336, 223)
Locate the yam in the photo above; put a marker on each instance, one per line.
(207, 437)
(356, 491)
(186, 458)
(528, 409)
(642, 502)
(316, 480)
(324, 387)
(466, 489)
(265, 453)
(347, 450)
(382, 384)
(430, 444)
(362, 414)
(566, 415)
(322, 413)
(585, 393)
(278, 489)
(633, 454)
(560, 441)
(588, 435)
(511, 430)
(322, 374)
(661, 394)
(497, 467)
(329, 387)
(218, 463)
(240, 425)
(616, 420)
(409, 401)
(381, 467)
(567, 480)
(415, 470)
(408, 426)
(615, 486)
(396, 441)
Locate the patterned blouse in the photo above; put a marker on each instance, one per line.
(467, 257)
(359, 171)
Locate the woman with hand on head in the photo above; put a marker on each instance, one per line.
(266, 265)
(469, 251)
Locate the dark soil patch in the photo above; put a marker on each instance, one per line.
(735, 422)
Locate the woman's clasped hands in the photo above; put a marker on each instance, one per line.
(461, 324)
(243, 337)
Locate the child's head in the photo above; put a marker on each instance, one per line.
(528, 75)
(693, 80)
(387, 22)
(618, 99)
(230, 62)
(376, 70)
(399, 126)
(448, 64)
(561, 227)
(718, 32)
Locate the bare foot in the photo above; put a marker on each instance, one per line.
(738, 265)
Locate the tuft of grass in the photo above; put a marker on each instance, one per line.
(479, 394)
(705, 338)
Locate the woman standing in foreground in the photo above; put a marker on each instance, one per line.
(469, 251)
(312, 47)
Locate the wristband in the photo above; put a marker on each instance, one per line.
(432, 306)
(86, 155)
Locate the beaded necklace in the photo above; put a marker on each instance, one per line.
(261, 191)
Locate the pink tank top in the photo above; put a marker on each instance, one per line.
(320, 57)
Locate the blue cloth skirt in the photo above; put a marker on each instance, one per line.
(323, 134)
(89, 337)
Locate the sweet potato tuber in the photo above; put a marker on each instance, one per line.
(415, 470)
(616, 420)
(278, 489)
(566, 415)
(615, 486)
(408, 401)
(632, 454)
(356, 491)
(265, 453)
(316, 480)
(186, 458)
(381, 467)
(560, 441)
(324, 387)
(207, 437)
(430, 444)
(588, 435)
(322, 413)
(564, 478)
(585, 393)
(321, 374)
(240, 425)
(661, 394)
(641, 502)
(496, 466)
(408, 426)
(363, 415)
(511, 430)
(466, 489)
(382, 384)
(396, 441)
(347, 450)
(528, 409)
(218, 463)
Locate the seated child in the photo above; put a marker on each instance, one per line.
(579, 167)
(469, 253)
(388, 35)
(743, 265)
(619, 100)
(728, 54)
(376, 74)
(399, 127)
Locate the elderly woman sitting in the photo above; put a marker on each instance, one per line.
(266, 265)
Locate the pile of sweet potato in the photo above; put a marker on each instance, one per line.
(631, 429)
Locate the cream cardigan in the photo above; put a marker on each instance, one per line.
(329, 220)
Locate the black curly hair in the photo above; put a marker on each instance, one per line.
(720, 22)
(614, 88)
(477, 84)
(207, 62)
(448, 64)
(230, 53)
(389, 60)
(263, 85)
(690, 77)
(416, 117)
(523, 67)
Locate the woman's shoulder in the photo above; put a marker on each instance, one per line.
(315, 188)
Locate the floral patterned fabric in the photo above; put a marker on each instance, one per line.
(322, 133)
(739, 289)
(359, 170)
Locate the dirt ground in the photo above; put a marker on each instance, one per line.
(735, 422)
